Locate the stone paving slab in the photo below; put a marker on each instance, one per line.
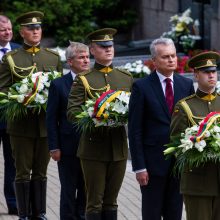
(129, 199)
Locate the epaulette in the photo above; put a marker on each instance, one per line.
(52, 51)
(85, 72)
(187, 98)
(12, 52)
(123, 71)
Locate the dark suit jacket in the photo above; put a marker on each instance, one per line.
(149, 122)
(61, 133)
(3, 125)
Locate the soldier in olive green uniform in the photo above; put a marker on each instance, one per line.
(28, 135)
(103, 151)
(200, 186)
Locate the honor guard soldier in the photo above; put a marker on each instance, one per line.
(102, 151)
(200, 186)
(28, 135)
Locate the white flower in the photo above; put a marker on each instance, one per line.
(40, 99)
(20, 98)
(119, 107)
(186, 144)
(23, 89)
(200, 145)
(124, 97)
(216, 128)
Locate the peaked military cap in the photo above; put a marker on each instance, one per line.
(103, 37)
(205, 61)
(32, 18)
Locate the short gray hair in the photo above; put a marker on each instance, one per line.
(74, 48)
(164, 41)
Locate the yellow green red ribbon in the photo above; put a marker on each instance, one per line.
(101, 102)
(205, 125)
(31, 95)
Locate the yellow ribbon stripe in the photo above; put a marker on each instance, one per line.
(110, 99)
(35, 92)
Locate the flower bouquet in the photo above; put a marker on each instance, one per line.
(30, 93)
(108, 109)
(184, 30)
(197, 145)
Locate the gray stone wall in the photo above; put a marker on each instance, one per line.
(154, 18)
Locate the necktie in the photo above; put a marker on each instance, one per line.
(4, 50)
(169, 94)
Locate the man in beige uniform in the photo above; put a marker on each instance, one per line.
(28, 135)
(103, 151)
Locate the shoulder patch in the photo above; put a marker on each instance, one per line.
(85, 72)
(123, 71)
(12, 52)
(187, 98)
(52, 51)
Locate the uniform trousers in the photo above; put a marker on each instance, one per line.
(202, 207)
(103, 181)
(31, 157)
(9, 170)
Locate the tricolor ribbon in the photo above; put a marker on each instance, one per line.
(32, 94)
(101, 102)
(205, 125)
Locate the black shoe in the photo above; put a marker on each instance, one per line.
(12, 211)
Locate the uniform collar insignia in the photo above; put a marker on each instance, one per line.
(205, 96)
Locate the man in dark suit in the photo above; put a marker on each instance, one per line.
(63, 137)
(6, 35)
(150, 108)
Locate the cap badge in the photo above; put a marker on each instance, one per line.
(209, 62)
(106, 37)
(34, 19)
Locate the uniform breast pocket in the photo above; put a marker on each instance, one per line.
(49, 68)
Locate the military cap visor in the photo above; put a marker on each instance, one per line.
(210, 68)
(204, 60)
(105, 43)
(102, 35)
(30, 18)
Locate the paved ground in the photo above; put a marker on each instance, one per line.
(129, 197)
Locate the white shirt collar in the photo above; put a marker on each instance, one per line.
(8, 46)
(162, 77)
(73, 74)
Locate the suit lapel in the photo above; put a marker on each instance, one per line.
(177, 89)
(156, 85)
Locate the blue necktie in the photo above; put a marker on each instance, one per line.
(4, 50)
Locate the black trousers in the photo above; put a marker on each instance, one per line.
(72, 198)
(9, 169)
(161, 197)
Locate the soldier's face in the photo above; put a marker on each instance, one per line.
(80, 62)
(206, 80)
(103, 55)
(31, 36)
(165, 60)
(5, 32)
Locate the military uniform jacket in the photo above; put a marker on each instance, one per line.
(103, 144)
(19, 63)
(205, 180)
